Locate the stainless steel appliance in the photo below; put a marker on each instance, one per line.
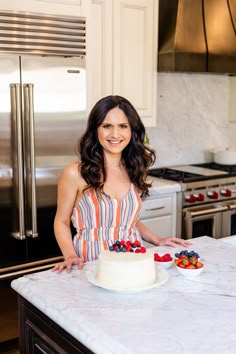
(42, 113)
(207, 203)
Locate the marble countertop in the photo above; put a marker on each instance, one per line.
(162, 186)
(180, 316)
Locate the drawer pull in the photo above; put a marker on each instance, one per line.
(156, 208)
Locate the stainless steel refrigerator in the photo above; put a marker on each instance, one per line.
(42, 114)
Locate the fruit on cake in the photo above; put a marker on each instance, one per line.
(126, 270)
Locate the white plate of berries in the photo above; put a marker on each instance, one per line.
(188, 263)
(165, 260)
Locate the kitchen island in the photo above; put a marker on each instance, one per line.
(180, 316)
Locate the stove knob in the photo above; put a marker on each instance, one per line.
(213, 195)
(191, 198)
(226, 192)
(200, 197)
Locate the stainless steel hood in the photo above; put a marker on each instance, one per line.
(197, 36)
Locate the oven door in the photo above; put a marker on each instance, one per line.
(229, 219)
(204, 221)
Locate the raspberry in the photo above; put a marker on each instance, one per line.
(142, 249)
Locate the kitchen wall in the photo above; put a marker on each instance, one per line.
(192, 117)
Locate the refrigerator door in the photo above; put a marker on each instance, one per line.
(12, 226)
(54, 118)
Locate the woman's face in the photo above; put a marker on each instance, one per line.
(114, 133)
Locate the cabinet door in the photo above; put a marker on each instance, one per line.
(99, 50)
(59, 7)
(161, 226)
(135, 55)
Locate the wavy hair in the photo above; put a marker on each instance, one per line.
(136, 157)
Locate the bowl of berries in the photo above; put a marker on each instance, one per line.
(164, 260)
(188, 263)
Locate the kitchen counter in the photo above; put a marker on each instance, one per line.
(180, 316)
(162, 186)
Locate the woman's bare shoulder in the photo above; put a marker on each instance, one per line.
(71, 173)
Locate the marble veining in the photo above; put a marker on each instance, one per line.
(192, 117)
(180, 316)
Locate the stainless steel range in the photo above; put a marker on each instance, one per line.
(207, 203)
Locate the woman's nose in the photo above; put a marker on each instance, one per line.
(115, 132)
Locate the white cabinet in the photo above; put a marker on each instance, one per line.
(158, 213)
(122, 53)
(59, 7)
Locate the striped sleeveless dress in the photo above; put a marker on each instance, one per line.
(100, 220)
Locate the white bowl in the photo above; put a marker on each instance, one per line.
(189, 273)
(165, 265)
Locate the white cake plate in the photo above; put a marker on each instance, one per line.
(162, 277)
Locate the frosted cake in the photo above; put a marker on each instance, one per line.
(126, 270)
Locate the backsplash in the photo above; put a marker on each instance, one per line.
(192, 118)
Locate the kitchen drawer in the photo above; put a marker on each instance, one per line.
(152, 207)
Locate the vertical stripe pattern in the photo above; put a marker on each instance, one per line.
(100, 220)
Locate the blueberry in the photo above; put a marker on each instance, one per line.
(118, 250)
(197, 255)
(186, 253)
(111, 248)
(121, 248)
(177, 255)
(191, 253)
(117, 243)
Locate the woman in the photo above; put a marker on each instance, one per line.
(102, 193)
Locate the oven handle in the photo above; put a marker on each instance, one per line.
(206, 211)
(232, 206)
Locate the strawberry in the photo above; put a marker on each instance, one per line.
(137, 250)
(193, 260)
(199, 265)
(185, 261)
(181, 265)
(142, 249)
(128, 243)
(190, 266)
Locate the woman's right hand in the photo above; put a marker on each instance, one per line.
(67, 264)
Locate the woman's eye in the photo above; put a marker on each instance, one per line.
(123, 126)
(106, 126)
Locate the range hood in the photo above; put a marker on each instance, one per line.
(197, 36)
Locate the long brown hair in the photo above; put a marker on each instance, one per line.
(136, 157)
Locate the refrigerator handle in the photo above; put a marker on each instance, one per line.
(17, 156)
(28, 90)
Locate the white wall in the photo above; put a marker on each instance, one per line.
(192, 117)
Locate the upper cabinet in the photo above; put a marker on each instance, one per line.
(121, 47)
(59, 7)
(122, 53)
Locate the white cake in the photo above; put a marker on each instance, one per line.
(126, 270)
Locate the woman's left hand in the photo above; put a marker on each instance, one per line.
(173, 241)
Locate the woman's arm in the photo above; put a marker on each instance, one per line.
(148, 236)
(67, 191)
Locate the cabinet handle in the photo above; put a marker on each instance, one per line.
(156, 208)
